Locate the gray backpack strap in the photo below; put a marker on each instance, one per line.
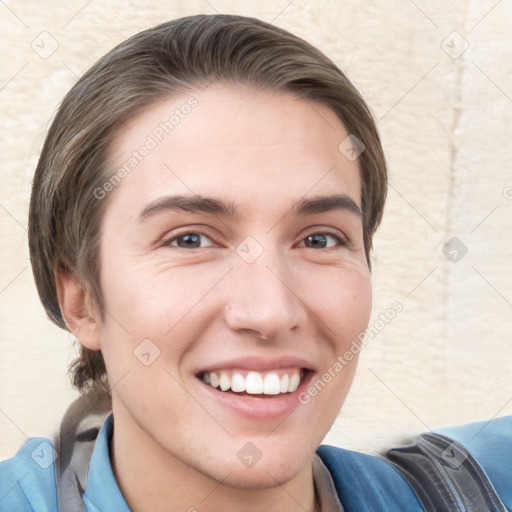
(74, 445)
(445, 476)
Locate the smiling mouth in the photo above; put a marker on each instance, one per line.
(245, 382)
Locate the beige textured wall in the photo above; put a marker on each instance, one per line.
(445, 117)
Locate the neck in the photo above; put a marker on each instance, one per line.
(152, 479)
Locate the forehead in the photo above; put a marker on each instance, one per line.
(251, 146)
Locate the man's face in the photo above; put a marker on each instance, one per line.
(263, 295)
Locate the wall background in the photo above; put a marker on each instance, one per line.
(439, 80)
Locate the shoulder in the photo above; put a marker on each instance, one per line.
(27, 480)
(488, 440)
(367, 482)
(490, 444)
(465, 464)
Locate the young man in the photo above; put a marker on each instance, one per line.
(201, 221)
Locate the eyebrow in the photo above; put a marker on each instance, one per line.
(199, 204)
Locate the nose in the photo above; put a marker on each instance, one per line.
(262, 300)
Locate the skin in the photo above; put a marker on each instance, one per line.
(262, 151)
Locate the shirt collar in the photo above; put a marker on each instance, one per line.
(102, 492)
(324, 487)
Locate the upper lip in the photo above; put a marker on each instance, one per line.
(258, 364)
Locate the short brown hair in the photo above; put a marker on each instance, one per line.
(171, 58)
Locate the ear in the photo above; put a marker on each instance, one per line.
(77, 310)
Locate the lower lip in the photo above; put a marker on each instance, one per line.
(256, 407)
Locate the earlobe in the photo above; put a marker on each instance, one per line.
(77, 310)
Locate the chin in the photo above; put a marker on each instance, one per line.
(276, 467)
(260, 478)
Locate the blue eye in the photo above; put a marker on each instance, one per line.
(320, 240)
(188, 240)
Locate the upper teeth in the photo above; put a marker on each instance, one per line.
(254, 383)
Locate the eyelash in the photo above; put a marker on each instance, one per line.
(340, 239)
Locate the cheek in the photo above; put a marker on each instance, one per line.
(157, 299)
(145, 301)
(343, 303)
